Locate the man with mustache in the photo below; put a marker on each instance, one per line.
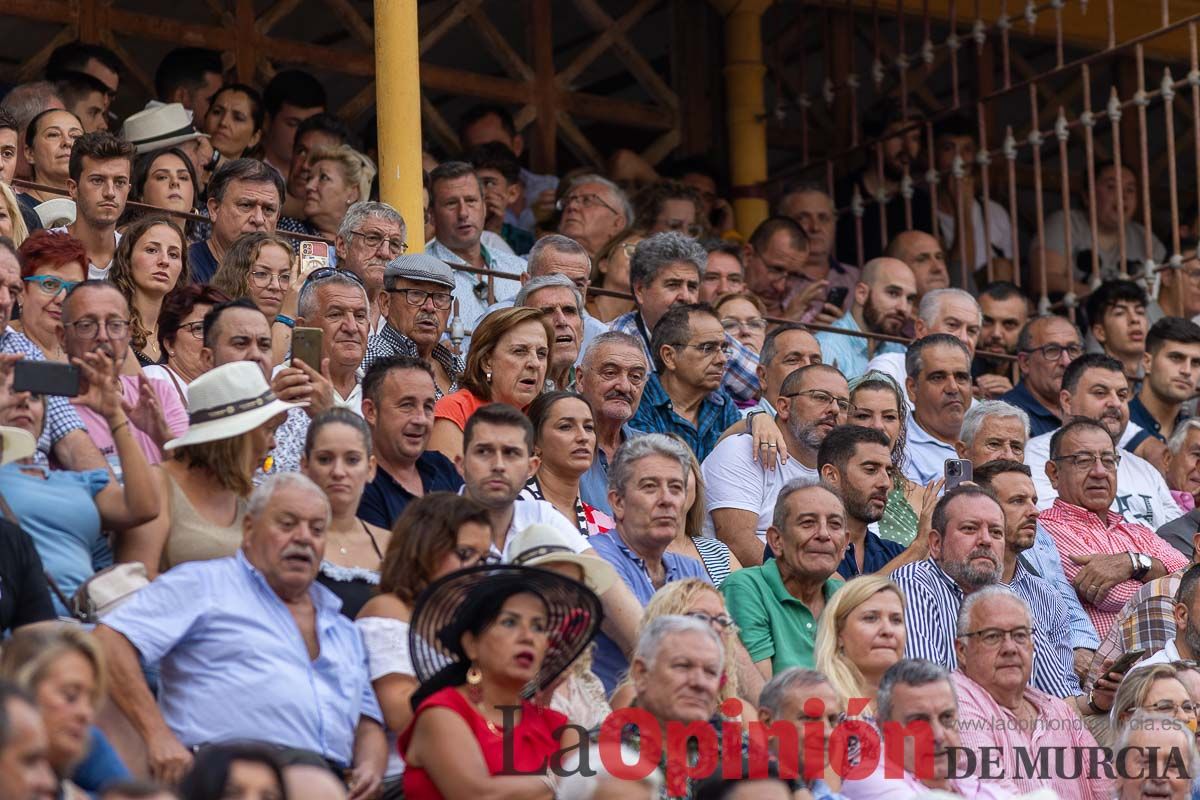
(99, 185)
(883, 303)
(939, 383)
(995, 646)
(857, 462)
(1094, 388)
(370, 236)
(740, 494)
(1105, 557)
(1045, 347)
(249, 629)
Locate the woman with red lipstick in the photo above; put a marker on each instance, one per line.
(151, 261)
(485, 642)
(565, 441)
(51, 264)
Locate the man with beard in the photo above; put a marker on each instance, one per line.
(883, 303)
(1044, 349)
(99, 184)
(939, 383)
(1094, 387)
(1005, 311)
(857, 462)
(1186, 644)
(1106, 558)
(739, 493)
(370, 236)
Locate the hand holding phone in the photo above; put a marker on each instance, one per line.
(46, 378)
(837, 296)
(306, 346)
(958, 471)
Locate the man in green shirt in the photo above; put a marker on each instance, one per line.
(776, 606)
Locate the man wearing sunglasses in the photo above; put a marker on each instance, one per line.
(1044, 348)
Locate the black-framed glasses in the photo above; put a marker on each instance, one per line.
(51, 284)
(1085, 461)
(417, 297)
(1053, 352)
(396, 245)
(324, 273)
(194, 329)
(709, 349)
(88, 328)
(722, 621)
(823, 398)
(992, 637)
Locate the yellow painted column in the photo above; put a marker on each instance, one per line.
(398, 108)
(745, 108)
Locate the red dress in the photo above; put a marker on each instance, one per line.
(533, 741)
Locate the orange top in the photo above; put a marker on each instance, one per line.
(458, 407)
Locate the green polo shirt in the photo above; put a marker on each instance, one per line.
(771, 622)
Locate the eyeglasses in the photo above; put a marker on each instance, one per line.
(324, 273)
(722, 621)
(196, 329)
(417, 297)
(709, 349)
(754, 324)
(261, 279)
(88, 328)
(1085, 461)
(396, 245)
(823, 398)
(1053, 352)
(51, 284)
(585, 200)
(1168, 707)
(992, 637)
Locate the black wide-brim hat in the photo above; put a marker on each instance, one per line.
(453, 605)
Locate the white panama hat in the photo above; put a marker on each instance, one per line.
(538, 545)
(15, 444)
(228, 401)
(160, 127)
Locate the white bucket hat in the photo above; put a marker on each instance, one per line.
(228, 401)
(162, 126)
(56, 212)
(16, 444)
(540, 544)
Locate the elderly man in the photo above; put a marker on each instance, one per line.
(611, 378)
(776, 605)
(244, 195)
(99, 184)
(799, 697)
(416, 302)
(665, 271)
(775, 255)
(251, 629)
(96, 317)
(924, 255)
(1172, 365)
(397, 402)
(647, 489)
(992, 430)
(939, 383)
(786, 348)
(25, 772)
(1094, 387)
(813, 210)
(997, 708)
(950, 311)
(684, 395)
(1005, 311)
(1044, 349)
(370, 236)
(1105, 557)
(1183, 477)
(457, 208)
(594, 210)
(724, 272)
(740, 494)
(883, 302)
(966, 553)
(557, 298)
(1159, 756)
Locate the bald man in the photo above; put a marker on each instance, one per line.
(924, 256)
(883, 303)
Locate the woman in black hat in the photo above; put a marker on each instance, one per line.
(484, 640)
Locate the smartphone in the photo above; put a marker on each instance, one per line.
(306, 346)
(837, 296)
(958, 470)
(313, 256)
(1122, 664)
(46, 377)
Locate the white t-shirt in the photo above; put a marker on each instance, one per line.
(732, 479)
(1142, 494)
(95, 273)
(999, 238)
(539, 512)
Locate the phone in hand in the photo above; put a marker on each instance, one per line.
(46, 378)
(1127, 660)
(313, 256)
(306, 346)
(837, 296)
(958, 471)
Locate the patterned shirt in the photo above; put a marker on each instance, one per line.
(590, 521)
(1147, 622)
(1079, 532)
(741, 373)
(61, 417)
(391, 342)
(656, 414)
(931, 602)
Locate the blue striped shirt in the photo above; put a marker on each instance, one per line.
(656, 414)
(931, 602)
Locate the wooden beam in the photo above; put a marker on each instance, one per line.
(435, 125)
(33, 66)
(540, 35)
(164, 29)
(692, 79)
(245, 49)
(349, 16)
(603, 41)
(275, 14)
(577, 142)
(498, 47)
(634, 61)
(455, 14)
(40, 10)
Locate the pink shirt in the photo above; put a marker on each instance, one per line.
(982, 722)
(877, 786)
(173, 410)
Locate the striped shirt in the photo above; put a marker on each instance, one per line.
(1079, 532)
(714, 554)
(931, 602)
(1146, 623)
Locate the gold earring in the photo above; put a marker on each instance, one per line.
(474, 681)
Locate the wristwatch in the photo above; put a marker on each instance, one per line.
(1141, 565)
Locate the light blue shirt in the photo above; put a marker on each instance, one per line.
(849, 353)
(1044, 558)
(470, 289)
(234, 665)
(925, 456)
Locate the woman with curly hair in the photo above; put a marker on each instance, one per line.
(151, 262)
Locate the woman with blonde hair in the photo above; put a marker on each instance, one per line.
(861, 634)
(338, 177)
(1156, 689)
(12, 224)
(62, 667)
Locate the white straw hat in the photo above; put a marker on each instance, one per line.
(539, 545)
(162, 126)
(228, 401)
(56, 212)
(16, 444)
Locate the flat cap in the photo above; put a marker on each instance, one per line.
(420, 267)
